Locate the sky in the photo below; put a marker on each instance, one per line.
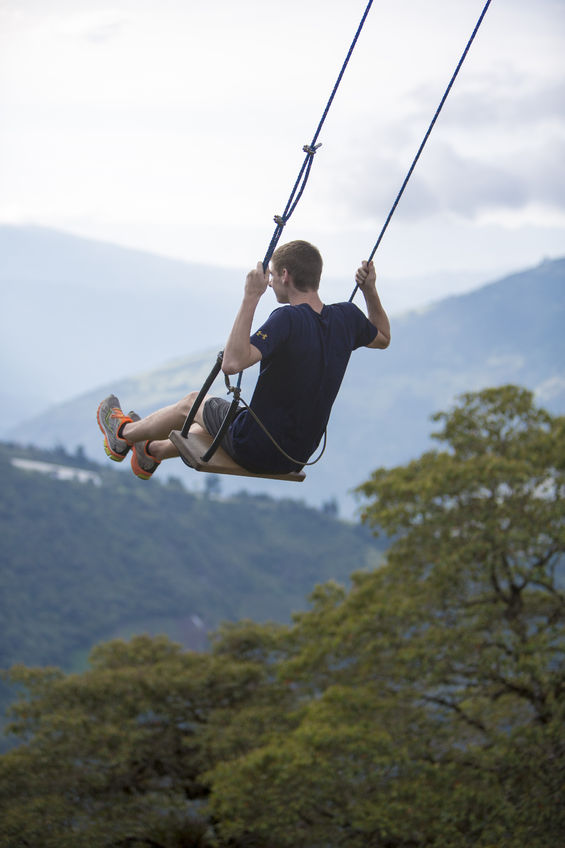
(177, 126)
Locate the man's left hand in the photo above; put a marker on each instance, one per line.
(257, 281)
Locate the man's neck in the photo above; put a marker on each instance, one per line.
(312, 298)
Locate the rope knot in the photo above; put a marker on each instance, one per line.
(311, 150)
(232, 390)
(279, 220)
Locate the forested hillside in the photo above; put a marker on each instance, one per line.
(83, 562)
(423, 707)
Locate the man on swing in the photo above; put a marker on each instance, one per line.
(303, 353)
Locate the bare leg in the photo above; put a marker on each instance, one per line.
(164, 449)
(157, 426)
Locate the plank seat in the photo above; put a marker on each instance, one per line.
(194, 446)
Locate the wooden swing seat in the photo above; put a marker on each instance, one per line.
(194, 446)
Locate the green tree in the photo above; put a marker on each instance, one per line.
(422, 709)
(212, 486)
(432, 696)
(116, 756)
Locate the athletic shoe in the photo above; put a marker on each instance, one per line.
(142, 463)
(111, 419)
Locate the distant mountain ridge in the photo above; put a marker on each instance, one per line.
(507, 331)
(79, 311)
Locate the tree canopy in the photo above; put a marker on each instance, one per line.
(424, 708)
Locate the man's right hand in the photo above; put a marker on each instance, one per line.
(257, 281)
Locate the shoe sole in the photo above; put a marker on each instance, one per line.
(135, 467)
(138, 471)
(117, 457)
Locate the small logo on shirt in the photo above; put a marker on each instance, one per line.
(262, 335)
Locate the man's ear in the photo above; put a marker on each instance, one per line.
(285, 276)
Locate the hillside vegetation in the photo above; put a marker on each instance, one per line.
(83, 562)
(422, 708)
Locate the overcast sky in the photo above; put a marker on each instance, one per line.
(177, 126)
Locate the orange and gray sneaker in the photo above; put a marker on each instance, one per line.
(111, 419)
(142, 463)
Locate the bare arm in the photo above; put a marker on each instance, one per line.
(239, 353)
(366, 279)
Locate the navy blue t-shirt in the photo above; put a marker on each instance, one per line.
(304, 358)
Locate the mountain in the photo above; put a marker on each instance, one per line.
(76, 311)
(510, 330)
(88, 555)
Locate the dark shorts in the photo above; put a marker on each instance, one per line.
(213, 412)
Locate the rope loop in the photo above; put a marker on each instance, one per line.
(311, 149)
(232, 390)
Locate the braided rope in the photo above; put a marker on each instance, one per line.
(296, 194)
(427, 135)
(310, 150)
(281, 220)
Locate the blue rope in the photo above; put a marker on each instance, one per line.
(310, 150)
(427, 135)
(280, 220)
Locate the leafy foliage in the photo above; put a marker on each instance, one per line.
(422, 709)
(434, 692)
(82, 563)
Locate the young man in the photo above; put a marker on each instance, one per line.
(303, 349)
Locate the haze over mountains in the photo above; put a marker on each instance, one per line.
(78, 312)
(510, 330)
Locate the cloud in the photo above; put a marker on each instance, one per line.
(545, 176)
(463, 185)
(506, 100)
(143, 118)
(533, 176)
(498, 146)
(96, 27)
(467, 186)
